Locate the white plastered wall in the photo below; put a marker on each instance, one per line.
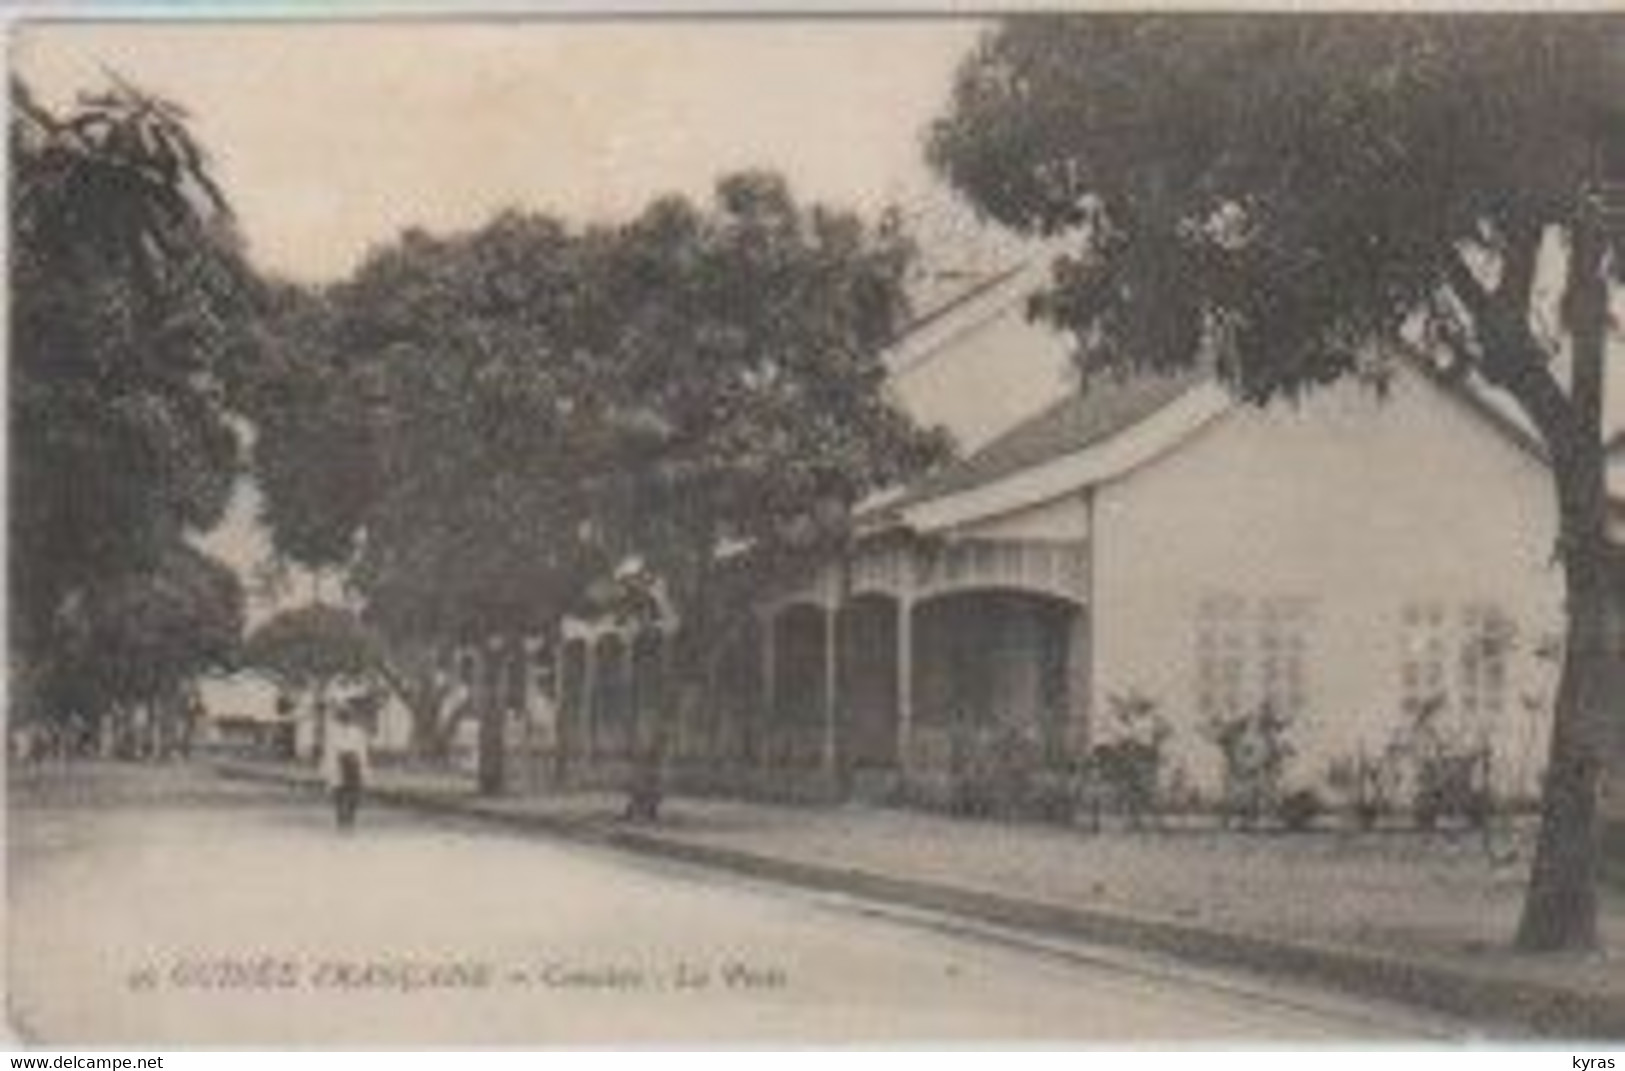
(1359, 504)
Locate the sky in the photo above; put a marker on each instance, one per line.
(332, 137)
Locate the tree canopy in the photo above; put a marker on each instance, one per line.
(1287, 195)
(131, 317)
(312, 646)
(419, 434)
(314, 452)
(478, 427)
(1284, 189)
(141, 637)
(426, 430)
(478, 424)
(747, 349)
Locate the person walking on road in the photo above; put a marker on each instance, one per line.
(344, 765)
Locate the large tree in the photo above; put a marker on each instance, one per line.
(131, 312)
(423, 432)
(314, 457)
(746, 347)
(544, 408)
(141, 640)
(1289, 192)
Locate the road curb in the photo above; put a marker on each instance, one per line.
(1474, 995)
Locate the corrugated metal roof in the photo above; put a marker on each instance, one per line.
(1107, 406)
(942, 311)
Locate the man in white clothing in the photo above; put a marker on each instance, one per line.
(345, 765)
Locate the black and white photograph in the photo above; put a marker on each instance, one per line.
(1083, 529)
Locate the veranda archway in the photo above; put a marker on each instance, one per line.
(735, 701)
(572, 712)
(611, 717)
(648, 679)
(1000, 659)
(796, 728)
(867, 694)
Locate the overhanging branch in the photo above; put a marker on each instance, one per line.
(1511, 358)
(1516, 289)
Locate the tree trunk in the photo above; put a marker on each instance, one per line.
(565, 715)
(423, 697)
(683, 686)
(1560, 909)
(430, 741)
(492, 773)
(411, 673)
(319, 735)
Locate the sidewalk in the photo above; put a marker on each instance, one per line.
(1419, 918)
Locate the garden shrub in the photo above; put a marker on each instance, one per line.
(1255, 750)
(1450, 776)
(1300, 809)
(994, 769)
(1128, 767)
(1367, 786)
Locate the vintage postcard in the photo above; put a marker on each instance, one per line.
(1067, 528)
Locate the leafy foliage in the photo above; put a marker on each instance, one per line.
(131, 320)
(1300, 809)
(1129, 765)
(747, 353)
(1368, 786)
(419, 430)
(314, 456)
(1449, 773)
(746, 357)
(1255, 748)
(995, 769)
(138, 638)
(1283, 190)
(489, 429)
(1275, 194)
(311, 647)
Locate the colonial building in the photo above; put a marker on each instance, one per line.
(1349, 561)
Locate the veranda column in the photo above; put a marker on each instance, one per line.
(556, 730)
(1080, 682)
(532, 702)
(1081, 676)
(716, 719)
(631, 739)
(831, 678)
(905, 681)
(490, 741)
(766, 716)
(589, 688)
(569, 732)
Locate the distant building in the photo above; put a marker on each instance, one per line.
(246, 711)
(240, 713)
